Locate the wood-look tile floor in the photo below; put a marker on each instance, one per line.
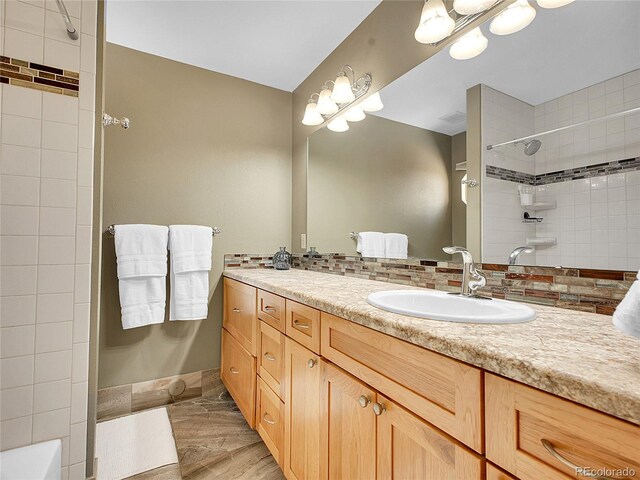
(214, 442)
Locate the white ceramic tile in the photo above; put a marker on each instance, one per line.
(25, 102)
(58, 193)
(80, 362)
(56, 29)
(88, 53)
(17, 341)
(60, 108)
(18, 220)
(85, 206)
(83, 244)
(55, 279)
(17, 311)
(18, 250)
(57, 221)
(58, 164)
(82, 290)
(23, 45)
(53, 337)
(25, 17)
(17, 371)
(632, 93)
(52, 366)
(81, 320)
(57, 307)
(59, 136)
(18, 190)
(77, 471)
(86, 129)
(51, 396)
(50, 425)
(23, 131)
(87, 91)
(631, 78)
(18, 280)
(89, 17)
(15, 433)
(73, 7)
(56, 250)
(79, 399)
(61, 54)
(16, 402)
(16, 160)
(78, 443)
(85, 167)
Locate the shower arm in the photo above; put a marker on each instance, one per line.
(71, 30)
(561, 129)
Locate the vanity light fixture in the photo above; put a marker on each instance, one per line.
(553, 3)
(435, 22)
(338, 124)
(373, 103)
(354, 114)
(470, 45)
(326, 106)
(512, 19)
(469, 7)
(311, 115)
(342, 87)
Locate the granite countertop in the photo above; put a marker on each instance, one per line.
(576, 355)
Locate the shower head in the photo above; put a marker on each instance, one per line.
(530, 147)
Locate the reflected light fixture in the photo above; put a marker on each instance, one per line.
(513, 18)
(326, 106)
(354, 114)
(338, 124)
(311, 115)
(471, 7)
(470, 45)
(342, 91)
(373, 103)
(553, 3)
(435, 22)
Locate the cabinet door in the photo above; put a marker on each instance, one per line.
(348, 441)
(238, 374)
(239, 316)
(302, 412)
(410, 448)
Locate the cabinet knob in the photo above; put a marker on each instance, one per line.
(363, 401)
(311, 363)
(379, 408)
(236, 310)
(267, 418)
(269, 357)
(234, 370)
(269, 308)
(299, 324)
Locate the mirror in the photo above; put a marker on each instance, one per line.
(568, 85)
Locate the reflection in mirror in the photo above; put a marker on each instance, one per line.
(552, 127)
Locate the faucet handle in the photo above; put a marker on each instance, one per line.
(466, 255)
(477, 282)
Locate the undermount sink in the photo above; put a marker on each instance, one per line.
(437, 305)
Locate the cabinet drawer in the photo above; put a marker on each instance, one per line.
(494, 473)
(303, 325)
(239, 317)
(271, 309)
(445, 392)
(533, 435)
(238, 373)
(270, 420)
(271, 358)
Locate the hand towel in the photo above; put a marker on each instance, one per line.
(396, 245)
(627, 315)
(370, 244)
(190, 247)
(141, 252)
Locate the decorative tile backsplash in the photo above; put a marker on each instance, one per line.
(40, 77)
(587, 290)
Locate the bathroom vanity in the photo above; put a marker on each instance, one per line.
(339, 389)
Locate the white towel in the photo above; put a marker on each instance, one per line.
(396, 245)
(141, 252)
(190, 247)
(627, 315)
(370, 244)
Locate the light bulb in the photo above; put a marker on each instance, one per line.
(354, 114)
(342, 92)
(513, 18)
(326, 106)
(311, 115)
(553, 3)
(470, 45)
(373, 103)
(338, 124)
(435, 23)
(469, 7)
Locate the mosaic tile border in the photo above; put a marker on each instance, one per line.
(588, 171)
(39, 77)
(588, 290)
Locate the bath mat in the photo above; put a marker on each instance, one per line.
(134, 444)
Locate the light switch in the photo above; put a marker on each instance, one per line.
(303, 240)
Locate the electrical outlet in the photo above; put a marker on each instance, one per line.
(303, 241)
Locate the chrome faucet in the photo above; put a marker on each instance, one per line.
(513, 258)
(472, 280)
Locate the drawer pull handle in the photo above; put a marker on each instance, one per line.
(311, 363)
(267, 418)
(269, 308)
(379, 408)
(576, 468)
(363, 401)
(300, 324)
(234, 370)
(269, 357)
(236, 310)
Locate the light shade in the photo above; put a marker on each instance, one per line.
(326, 106)
(513, 18)
(338, 124)
(342, 92)
(373, 103)
(354, 114)
(470, 45)
(469, 7)
(311, 115)
(553, 3)
(435, 23)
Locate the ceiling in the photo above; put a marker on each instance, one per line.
(275, 43)
(563, 50)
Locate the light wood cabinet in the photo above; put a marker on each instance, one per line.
(303, 325)
(238, 374)
(302, 412)
(270, 420)
(494, 473)
(239, 314)
(271, 309)
(271, 358)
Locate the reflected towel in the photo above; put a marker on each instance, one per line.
(371, 244)
(627, 315)
(396, 245)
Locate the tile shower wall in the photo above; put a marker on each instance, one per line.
(46, 166)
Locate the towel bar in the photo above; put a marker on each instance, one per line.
(112, 231)
(353, 235)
